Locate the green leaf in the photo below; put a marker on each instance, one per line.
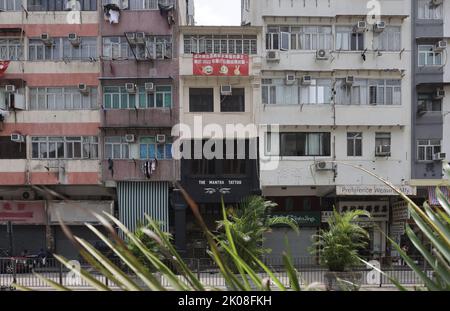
(443, 201)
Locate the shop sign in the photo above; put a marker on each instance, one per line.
(78, 212)
(23, 212)
(378, 210)
(219, 186)
(227, 65)
(381, 190)
(304, 219)
(400, 212)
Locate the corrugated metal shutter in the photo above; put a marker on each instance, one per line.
(137, 199)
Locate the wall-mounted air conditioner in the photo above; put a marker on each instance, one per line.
(139, 37)
(82, 87)
(360, 27)
(131, 37)
(130, 87)
(440, 46)
(130, 138)
(273, 56)
(18, 138)
(349, 80)
(322, 54)
(324, 166)
(160, 139)
(226, 90)
(440, 94)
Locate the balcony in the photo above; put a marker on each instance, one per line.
(139, 118)
(132, 170)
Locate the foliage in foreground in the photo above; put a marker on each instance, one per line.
(338, 246)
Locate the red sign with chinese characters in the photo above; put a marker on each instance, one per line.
(227, 65)
(23, 212)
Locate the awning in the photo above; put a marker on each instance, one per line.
(432, 197)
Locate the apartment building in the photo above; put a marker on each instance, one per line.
(431, 102)
(219, 88)
(335, 86)
(88, 95)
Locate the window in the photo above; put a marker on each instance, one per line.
(11, 49)
(116, 148)
(427, 148)
(428, 56)
(298, 38)
(147, 4)
(155, 47)
(62, 49)
(61, 5)
(11, 150)
(10, 5)
(389, 39)
(269, 92)
(318, 92)
(116, 48)
(427, 103)
(348, 40)
(373, 92)
(246, 5)
(427, 11)
(65, 147)
(354, 144)
(383, 143)
(234, 102)
(305, 144)
(58, 98)
(201, 100)
(150, 149)
(225, 44)
(117, 97)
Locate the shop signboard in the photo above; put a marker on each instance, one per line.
(304, 219)
(376, 190)
(23, 212)
(226, 65)
(78, 212)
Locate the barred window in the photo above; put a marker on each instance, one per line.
(11, 49)
(62, 49)
(71, 147)
(117, 97)
(225, 44)
(58, 98)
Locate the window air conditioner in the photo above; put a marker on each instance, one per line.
(46, 39)
(290, 79)
(361, 26)
(440, 156)
(349, 80)
(440, 46)
(83, 89)
(440, 94)
(226, 90)
(160, 138)
(383, 151)
(130, 87)
(9, 88)
(18, 138)
(379, 26)
(149, 87)
(74, 39)
(130, 138)
(273, 56)
(306, 80)
(139, 37)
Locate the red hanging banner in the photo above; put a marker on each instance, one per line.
(227, 65)
(3, 66)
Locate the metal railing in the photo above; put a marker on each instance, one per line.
(21, 271)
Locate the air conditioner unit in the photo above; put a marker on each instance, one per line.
(306, 80)
(149, 87)
(440, 46)
(131, 36)
(273, 56)
(18, 138)
(83, 89)
(46, 39)
(160, 139)
(379, 26)
(349, 80)
(440, 94)
(322, 54)
(28, 195)
(139, 37)
(383, 151)
(361, 26)
(9, 88)
(290, 79)
(324, 166)
(130, 138)
(226, 90)
(439, 156)
(436, 2)
(130, 87)
(74, 39)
